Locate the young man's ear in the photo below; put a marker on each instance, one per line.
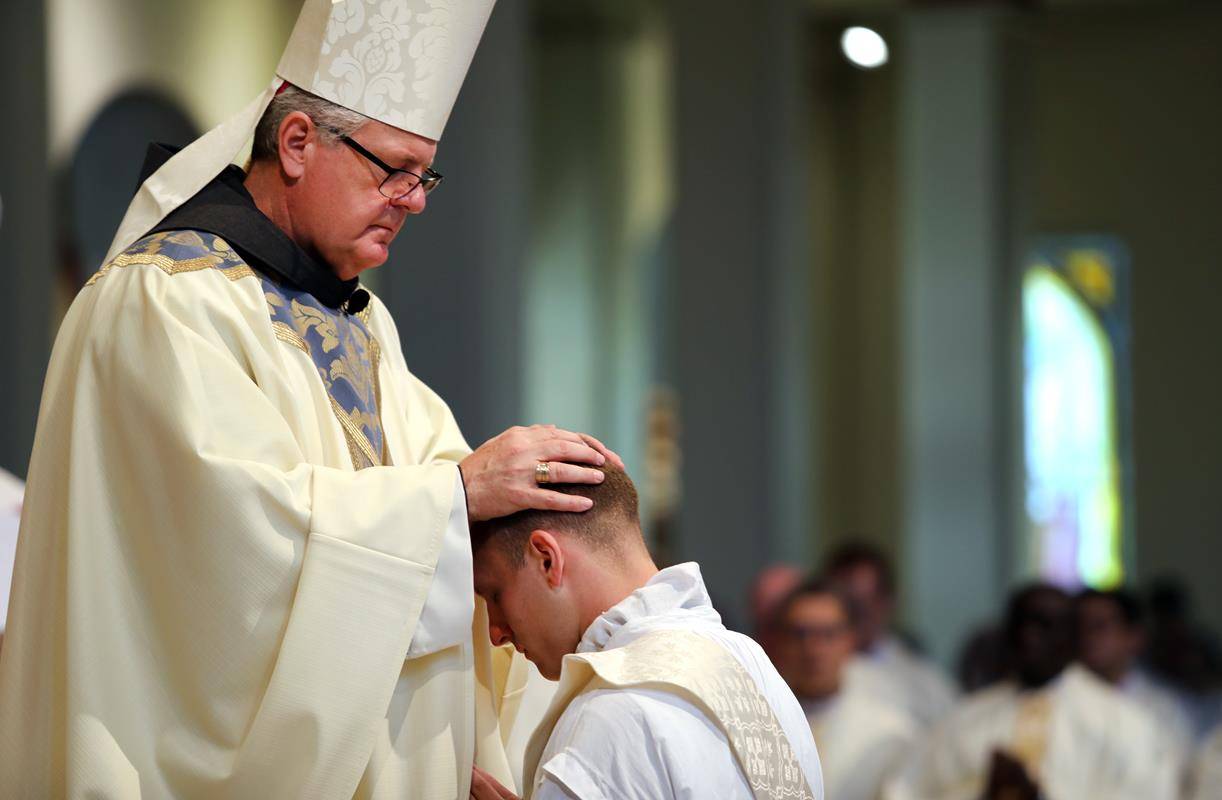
(544, 552)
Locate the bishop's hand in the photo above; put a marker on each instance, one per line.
(500, 476)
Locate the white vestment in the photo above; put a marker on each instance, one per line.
(892, 672)
(1078, 738)
(11, 491)
(862, 742)
(1207, 772)
(530, 704)
(1163, 705)
(643, 744)
(209, 599)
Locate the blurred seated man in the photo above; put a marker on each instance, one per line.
(656, 699)
(1184, 654)
(1052, 731)
(861, 739)
(1207, 772)
(772, 585)
(907, 679)
(1110, 640)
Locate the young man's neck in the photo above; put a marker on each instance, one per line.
(612, 585)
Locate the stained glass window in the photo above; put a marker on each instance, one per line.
(1075, 411)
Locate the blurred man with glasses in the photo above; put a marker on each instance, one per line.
(861, 739)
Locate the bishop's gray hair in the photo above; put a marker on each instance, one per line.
(327, 116)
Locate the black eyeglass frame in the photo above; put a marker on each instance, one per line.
(426, 182)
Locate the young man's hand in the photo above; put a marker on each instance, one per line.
(486, 787)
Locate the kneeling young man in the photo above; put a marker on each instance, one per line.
(656, 699)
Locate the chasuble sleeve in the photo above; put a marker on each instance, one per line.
(276, 598)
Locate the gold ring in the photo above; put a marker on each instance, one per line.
(543, 472)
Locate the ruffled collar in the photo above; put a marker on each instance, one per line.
(675, 597)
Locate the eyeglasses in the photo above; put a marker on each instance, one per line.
(398, 183)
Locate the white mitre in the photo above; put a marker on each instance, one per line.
(401, 62)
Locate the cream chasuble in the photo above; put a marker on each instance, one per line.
(243, 568)
(1078, 738)
(658, 702)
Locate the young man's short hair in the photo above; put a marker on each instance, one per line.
(612, 524)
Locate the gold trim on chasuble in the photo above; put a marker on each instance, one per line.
(347, 357)
(174, 252)
(704, 673)
(343, 350)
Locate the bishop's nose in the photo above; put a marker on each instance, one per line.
(413, 202)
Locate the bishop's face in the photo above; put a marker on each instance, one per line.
(339, 211)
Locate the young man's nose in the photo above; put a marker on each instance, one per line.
(499, 634)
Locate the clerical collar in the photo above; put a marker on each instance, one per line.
(226, 209)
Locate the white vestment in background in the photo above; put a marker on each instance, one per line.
(893, 673)
(209, 600)
(862, 743)
(1162, 704)
(645, 744)
(12, 489)
(1079, 738)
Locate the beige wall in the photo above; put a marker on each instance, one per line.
(1111, 126)
(210, 56)
(855, 297)
(1122, 136)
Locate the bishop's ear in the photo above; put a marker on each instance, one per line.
(543, 553)
(296, 131)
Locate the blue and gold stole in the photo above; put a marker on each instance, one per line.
(343, 350)
(346, 356)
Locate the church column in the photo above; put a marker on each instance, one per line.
(27, 247)
(454, 279)
(742, 351)
(953, 332)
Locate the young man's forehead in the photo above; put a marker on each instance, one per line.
(488, 566)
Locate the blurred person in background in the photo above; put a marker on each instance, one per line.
(900, 674)
(1053, 730)
(1206, 781)
(983, 660)
(861, 739)
(1110, 642)
(1184, 654)
(771, 586)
